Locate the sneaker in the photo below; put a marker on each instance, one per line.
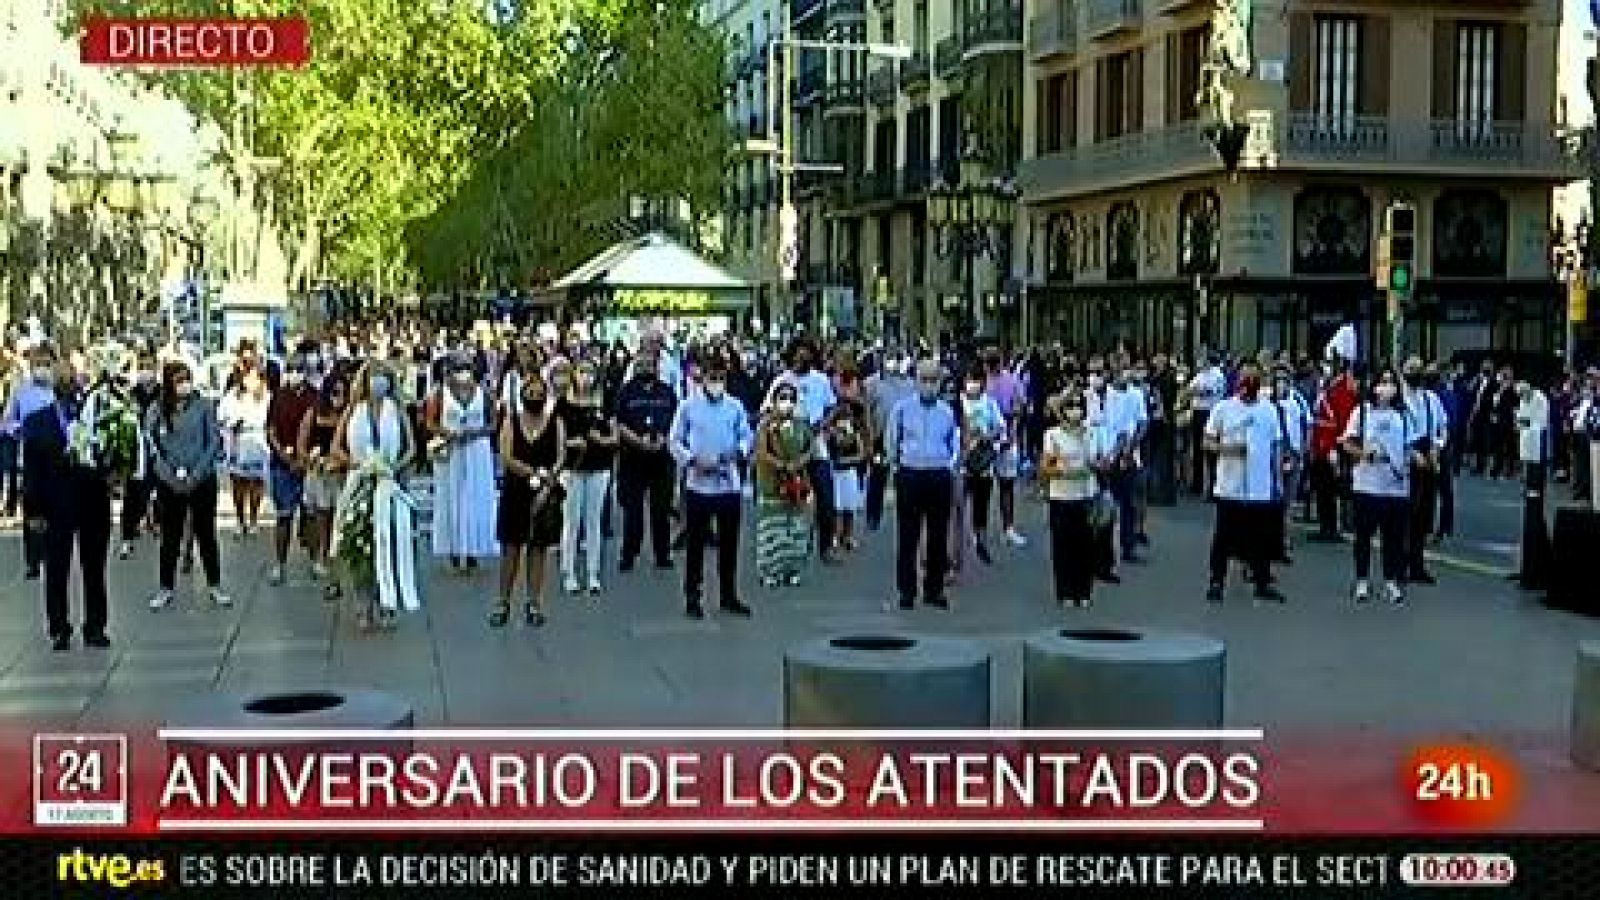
(1214, 594)
(160, 600)
(97, 641)
(982, 551)
(125, 550)
(793, 580)
(1015, 538)
(1266, 593)
(594, 587)
(1362, 592)
(570, 585)
(220, 599)
(1394, 592)
(770, 582)
(276, 577)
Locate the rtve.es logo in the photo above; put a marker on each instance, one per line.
(117, 870)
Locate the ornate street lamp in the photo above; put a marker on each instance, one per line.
(969, 220)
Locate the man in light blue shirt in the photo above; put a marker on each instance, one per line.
(711, 439)
(35, 392)
(923, 445)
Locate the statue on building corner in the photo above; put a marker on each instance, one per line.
(1227, 59)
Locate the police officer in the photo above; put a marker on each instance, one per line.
(644, 409)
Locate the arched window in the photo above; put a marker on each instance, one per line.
(1199, 233)
(1469, 233)
(1332, 231)
(1122, 242)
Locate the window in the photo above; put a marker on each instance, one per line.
(1186, 53)
(1057, 114)
(1119, 94)
(919, 141)
(1477, 63)
(919, 27)
(1337, 71)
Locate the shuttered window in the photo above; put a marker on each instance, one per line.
(1058, 109)
(1336, 72)
(1119, 94)
(1477, 53)
(1186, 53)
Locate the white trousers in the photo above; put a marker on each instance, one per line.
(585, 503)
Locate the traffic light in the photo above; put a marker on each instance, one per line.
(1398, 253)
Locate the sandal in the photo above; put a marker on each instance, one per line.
(500, 615)
(532, 615)
(388, 620)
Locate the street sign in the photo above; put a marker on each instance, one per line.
(788, 242)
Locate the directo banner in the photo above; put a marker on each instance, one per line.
(195, 42)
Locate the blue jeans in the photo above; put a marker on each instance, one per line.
(1124, 487)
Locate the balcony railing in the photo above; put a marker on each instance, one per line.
(994, 28)
(1112, 18)
(881, 88)
(1051, 35)
(846, 9)
(947, 58)
(1510, 147)
(1130, 159)
(915, 71)
(844, 96)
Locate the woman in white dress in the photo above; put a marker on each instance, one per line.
(463, 473)
(243, 416)
(375, 425)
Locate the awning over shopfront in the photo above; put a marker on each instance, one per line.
(650, 276)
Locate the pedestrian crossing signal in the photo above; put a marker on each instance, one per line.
(1400, 277)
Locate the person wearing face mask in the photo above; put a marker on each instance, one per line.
(67, 503)
(35, 393)
(377, 428)
(1294, 416)
(1532, 422)
(817, 399)
(783, 529)
(1072, 454)
(1006, 391)
(591, 450)
(923, 445)
(1431, 425)
(185, 443)
(324, 477)
(1208, 388)
(286, 470)
(1335, 406)
(711, 438)
(136, 493)
(1503, 426)
(884, 390)
(243, 414)
(1125, 416)
(463, 470)
(1586, 426)
(1244, 434)
(984, 428)
(1383, 443)
(645, 472)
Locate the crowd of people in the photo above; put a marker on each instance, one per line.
(538, 443)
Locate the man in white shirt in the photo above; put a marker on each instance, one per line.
(1533, 442)
(817, 399)
(1126, 418)
(1244, 434)
(1432, 424)
(1208, 387)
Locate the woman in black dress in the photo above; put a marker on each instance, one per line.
(533, 447)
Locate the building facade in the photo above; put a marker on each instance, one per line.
(97, 175)
(1136, 235)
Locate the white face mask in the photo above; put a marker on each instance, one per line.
(295, 378)
(1385, 392)
(1096, 382)
(785, 408)
(43, 376)
(183, 389)
(974, 388)
(715, 389)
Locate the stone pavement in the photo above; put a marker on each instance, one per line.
(1468, 656)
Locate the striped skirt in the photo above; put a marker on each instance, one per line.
(783, 539)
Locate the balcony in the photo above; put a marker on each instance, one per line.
(1052, 36)
(846, 10)
(802, 10)
(844, 97)
(1159, 154)
(1110, 19)
(915, 72)
(947, 58)
(994, 28)
(882, 88)
(1174, 7)
(1505, 149)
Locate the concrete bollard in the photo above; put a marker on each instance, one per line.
(886, 681)
(1586, 707)
(346, 708)
(1122, 678)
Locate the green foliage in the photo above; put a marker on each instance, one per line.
(431, 137)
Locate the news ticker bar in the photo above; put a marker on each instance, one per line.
(1235, 867)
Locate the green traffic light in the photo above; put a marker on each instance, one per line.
(1400, 278)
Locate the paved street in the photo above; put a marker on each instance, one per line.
(1469, 655)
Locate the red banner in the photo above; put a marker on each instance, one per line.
(195, 42)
